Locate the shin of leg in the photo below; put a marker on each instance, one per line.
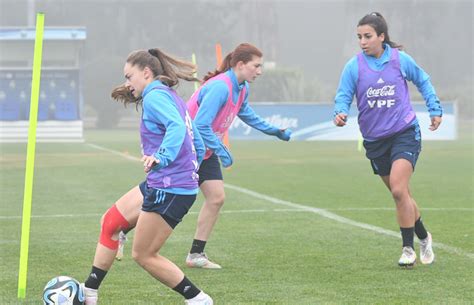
(160, 268)
(405, 207)
(405, 215)
(151, 233)
(213, 191)
(104, 257)
(399, 179)
(415, 206)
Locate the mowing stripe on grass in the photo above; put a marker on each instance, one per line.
(327, 214)
(294, 208)
(322, 212)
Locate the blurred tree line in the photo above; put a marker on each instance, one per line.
(306, 43)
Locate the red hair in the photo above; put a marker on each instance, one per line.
(243, 52)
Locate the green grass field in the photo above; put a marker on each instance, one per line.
(280, 244)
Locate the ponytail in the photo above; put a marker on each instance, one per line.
(123, 95)
(164, 67)
(224, 66)
(172, 68)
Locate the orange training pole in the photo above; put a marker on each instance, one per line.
(219, 61)
(218, 54)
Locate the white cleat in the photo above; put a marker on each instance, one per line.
(408, 258)
(122, 239)
(201, 299)
(426, 250)
(200, 260)
(92, 295)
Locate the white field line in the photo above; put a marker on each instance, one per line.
(321, 212)
(81, 216)
(117, 153)
(327, 214)
(393, 209)
(13, 217)
(295, 208)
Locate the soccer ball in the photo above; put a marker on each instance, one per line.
(63, 290)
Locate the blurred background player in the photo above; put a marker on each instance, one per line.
(378, 77)
(213, 107)
(171, 154)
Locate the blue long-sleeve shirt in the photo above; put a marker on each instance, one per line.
(410, 71)
(198, 143)
(212, 98)
(166, 114)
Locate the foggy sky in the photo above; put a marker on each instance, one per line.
(313, 38)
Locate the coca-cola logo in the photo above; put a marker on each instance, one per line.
(387, 90)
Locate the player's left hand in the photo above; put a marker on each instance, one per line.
(284, 134)
(149, 162)
(435, 122)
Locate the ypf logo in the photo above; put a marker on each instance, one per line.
(381, 103)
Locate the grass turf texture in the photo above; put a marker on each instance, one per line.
(270, 253)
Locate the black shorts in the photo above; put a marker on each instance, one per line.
(172, 207)
(210, 169)
(403, 145)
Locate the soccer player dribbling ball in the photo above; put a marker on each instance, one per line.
(172, 151)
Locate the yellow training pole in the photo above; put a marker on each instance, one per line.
(30, 156)
(360, 142)
(193, 59)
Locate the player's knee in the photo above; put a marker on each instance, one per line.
(112, 223)
(102, 219)
(217, 200)
(140, 258)
(137, 257)
(399, 193)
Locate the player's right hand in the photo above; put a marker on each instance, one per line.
(340, 119)
(224, 155)
(149, 162)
